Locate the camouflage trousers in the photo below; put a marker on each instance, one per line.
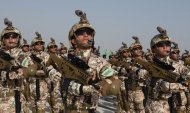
(158, 106)
(135, 100)
(180, 100)
(39, 104)
(55, 100)
(7, 105)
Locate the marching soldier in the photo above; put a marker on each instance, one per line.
(161, 89)
(148, 55)
(39, 86)
(25, 46)
(55, 100)
(12, 71)
(186, 58)
(63, 50)
(123, 56)
(81, 98)
(26, 88)
(136, 80)
(180, 97)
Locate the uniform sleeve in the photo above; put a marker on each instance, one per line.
(53, 74)
(172, 87)
(102, 67)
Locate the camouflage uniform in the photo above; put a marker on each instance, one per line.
(55, 100)
(39, 87)
(186, 61)
(135, 80)
(123, 57)
(160, 90)
(80, 97)
(25, 53)
(179, 98)
(11, 83)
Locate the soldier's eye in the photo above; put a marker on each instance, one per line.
(163, 43)
(53, 46)
(10, 35)
(82, 31)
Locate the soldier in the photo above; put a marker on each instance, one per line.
(123, 56)
(12, 70)
(186, 58)
(179, 98)
(148, 55)
(26, 89)
(55, 97)
(136, 80)
(160, 88)
(81, 98)
(52, 47)
(63, 50)
(39, 86)
(25, 46)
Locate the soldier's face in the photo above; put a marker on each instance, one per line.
(149, 57)
(11, 40)
(187, 60)
(53, 49)
(63, 51)
(126, 53)
(162, 49)
(38, 46)
(84, 38)
(137, 51)
(174, 55)
(25, 48)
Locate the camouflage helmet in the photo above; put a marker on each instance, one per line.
(24, 43)
(149, 52)
(136, 43)
(37, 39)
(175, 47)
(159, 37)
(124, 47)
(63, 47)
(10, 29)
(83, 23)
(185, 55)
(52, 43)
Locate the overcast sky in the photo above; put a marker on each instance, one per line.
(115, 21)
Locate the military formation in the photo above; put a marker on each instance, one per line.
(39, 79)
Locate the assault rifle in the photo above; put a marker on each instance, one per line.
(156, 71)
(69, 70)
(123, 64)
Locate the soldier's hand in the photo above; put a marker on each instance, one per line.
(56, 76)
(40, 73)
(184, 88)
(88, 89)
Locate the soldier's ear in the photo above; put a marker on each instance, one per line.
(73, 41)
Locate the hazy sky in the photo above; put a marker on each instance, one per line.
(115, 21)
